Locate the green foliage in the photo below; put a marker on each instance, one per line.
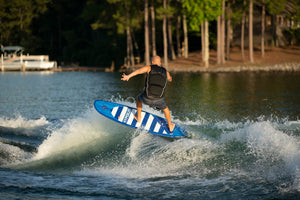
(200, 10)
(92, 32)
(275, 7)
(289, 35)
(238, 8)
(17, 15)
(297, 36)
(161, 11)
(112, 14)
(292, 35)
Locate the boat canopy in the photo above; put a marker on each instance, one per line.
(12, 48)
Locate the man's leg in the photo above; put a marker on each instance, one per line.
(168, 117)
(139, 110)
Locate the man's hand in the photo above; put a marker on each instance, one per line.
(125, 77)
(145, 69)
(169, 77)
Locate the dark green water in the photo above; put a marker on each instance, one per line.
(243, 138)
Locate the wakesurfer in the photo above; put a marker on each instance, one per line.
(155, 84)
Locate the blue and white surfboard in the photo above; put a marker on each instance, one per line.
(149, 122)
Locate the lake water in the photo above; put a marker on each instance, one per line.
(243, 138)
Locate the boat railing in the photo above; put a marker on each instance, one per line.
(26, 62)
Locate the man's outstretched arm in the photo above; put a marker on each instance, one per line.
(142, 70)
(169, 77)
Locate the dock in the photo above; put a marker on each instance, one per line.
(12, 59)
(81, 69)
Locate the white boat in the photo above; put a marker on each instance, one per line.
(12, 59)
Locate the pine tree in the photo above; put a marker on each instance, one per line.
(200, 12)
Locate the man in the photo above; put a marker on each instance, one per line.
(156, 80)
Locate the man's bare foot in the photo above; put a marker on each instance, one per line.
(171, 127)
(136, 118)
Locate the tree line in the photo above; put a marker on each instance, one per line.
(97, 32)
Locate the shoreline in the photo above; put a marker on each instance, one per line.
(276, 59)
(282, 67)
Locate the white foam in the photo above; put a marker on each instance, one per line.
(12, 154)
(75, 132)
(150, 156)
(21, 122)
(269, 146)
(201, 155)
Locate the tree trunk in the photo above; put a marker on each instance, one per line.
(128, 46)
(218, 40)
(153, 30)
(202, 41)
(263, 13)
(243, 34)
(165, 35)
(173, 57)
(206, 44)
(131, 49)
(251, 31)
(221, 36)
(223, 33)
(130, 57)
(178, 36)
(136, 46)
(21, 13)
(274, 30)
(185, 33)
(229, 31)
(147, 53)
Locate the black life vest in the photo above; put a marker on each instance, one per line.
(156, 82)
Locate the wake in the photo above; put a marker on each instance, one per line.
(93, 145)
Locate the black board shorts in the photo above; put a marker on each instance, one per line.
(158, 103)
